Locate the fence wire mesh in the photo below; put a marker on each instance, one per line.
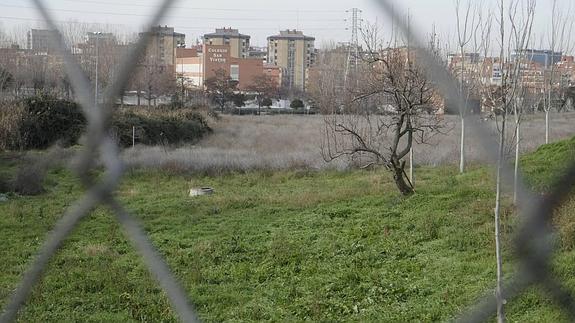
(533, 241)
(100, 145)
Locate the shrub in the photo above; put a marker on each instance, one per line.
(267, 102)
(6, 78)
(49, 120)
(159, 128)
(11, 117)
(4, 185)
(297, 104)
(42, 121)
(239, 100)
(29, 179)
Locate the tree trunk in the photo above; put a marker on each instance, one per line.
(400, 181)
(499, 290)
(517, 150)
(547, 125)
(462, 147)
(411, 175)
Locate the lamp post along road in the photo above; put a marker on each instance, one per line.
(182, 74)
(97, 34)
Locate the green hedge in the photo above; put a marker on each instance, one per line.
(48, 120)
(42, 121)
(159, 130)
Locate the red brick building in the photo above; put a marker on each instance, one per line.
(243, 70)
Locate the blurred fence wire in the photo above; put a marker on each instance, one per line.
(533, 242)
(99, 145)
(534, 239)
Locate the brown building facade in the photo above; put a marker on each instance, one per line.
(239, 43)
(189, 67)
(275, 73)
(243, 70)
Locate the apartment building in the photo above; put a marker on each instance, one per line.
(295, 53)
(566, 70)
(275, 73)
(226, 50)
(546, 58)
(189, 67)
(39, 40)
(162, 46)
(259, 53)
(239, 44)
(101, 39)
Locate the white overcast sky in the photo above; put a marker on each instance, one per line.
(324, 19)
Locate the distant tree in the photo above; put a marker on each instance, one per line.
(239, 100)
(265, 88)
(221, 88)
(156, 80)
(267, 102)
(37, 74)
(392, 106)
(514, 20)
(327, 81)
(568, 98)
(297, 104)
(6, 78)
(560, 40)
(467, 30)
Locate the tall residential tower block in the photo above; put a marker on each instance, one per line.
(295, 53)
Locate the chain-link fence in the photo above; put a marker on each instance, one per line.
(533, 242)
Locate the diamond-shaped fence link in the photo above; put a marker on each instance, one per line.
(533, 242)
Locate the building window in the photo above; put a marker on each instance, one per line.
(235, 72)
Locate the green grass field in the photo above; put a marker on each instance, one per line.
(286, 246)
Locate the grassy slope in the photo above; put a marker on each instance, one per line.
(284, 246)
(548, 163)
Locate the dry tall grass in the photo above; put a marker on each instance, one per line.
(243, 143)
(11, 116)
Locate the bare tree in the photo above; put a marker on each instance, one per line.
(559, 40)
(499, 258)
(221, 88)
(392, 106)
(6, 71)
(520, 38)
(466, 32)
(265, 88)
(154, 80)
(327, 79)
(519, 15)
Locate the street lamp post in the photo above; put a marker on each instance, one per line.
(97, 34)
(182, 74)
